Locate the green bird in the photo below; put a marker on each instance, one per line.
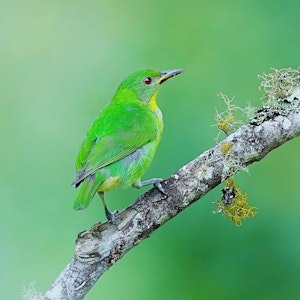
(120, 145)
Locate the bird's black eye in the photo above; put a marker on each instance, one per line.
(147, 80)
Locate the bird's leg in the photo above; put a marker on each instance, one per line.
(155, 181)
(109, 215)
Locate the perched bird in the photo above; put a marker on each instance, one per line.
(121, 143)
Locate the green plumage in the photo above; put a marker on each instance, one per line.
(121, 143)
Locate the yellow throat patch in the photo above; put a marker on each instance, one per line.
(152, 102)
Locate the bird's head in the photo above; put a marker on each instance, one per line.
(146, 83)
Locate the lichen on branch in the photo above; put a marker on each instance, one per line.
(282, 97)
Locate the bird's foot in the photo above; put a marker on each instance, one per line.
(111, 216)
(157, 185)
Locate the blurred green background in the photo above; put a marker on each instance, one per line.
(61, 62)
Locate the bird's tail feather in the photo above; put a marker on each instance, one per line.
(87, 190)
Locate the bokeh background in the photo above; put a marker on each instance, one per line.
(61, 62)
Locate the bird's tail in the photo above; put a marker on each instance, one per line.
(87, 190)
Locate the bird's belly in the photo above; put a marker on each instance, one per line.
(109, 184)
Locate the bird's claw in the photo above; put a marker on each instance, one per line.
(111, 216)
(157, 185)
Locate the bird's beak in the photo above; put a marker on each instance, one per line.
(165, 75)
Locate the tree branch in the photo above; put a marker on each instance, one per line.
(100, 247)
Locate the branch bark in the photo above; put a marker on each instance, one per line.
(100, 247)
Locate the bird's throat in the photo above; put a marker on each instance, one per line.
(152, 103)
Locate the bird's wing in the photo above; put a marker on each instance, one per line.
(102, 150)
(113, 148)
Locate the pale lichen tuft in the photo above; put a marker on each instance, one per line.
(282, 95)
(30, 293)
